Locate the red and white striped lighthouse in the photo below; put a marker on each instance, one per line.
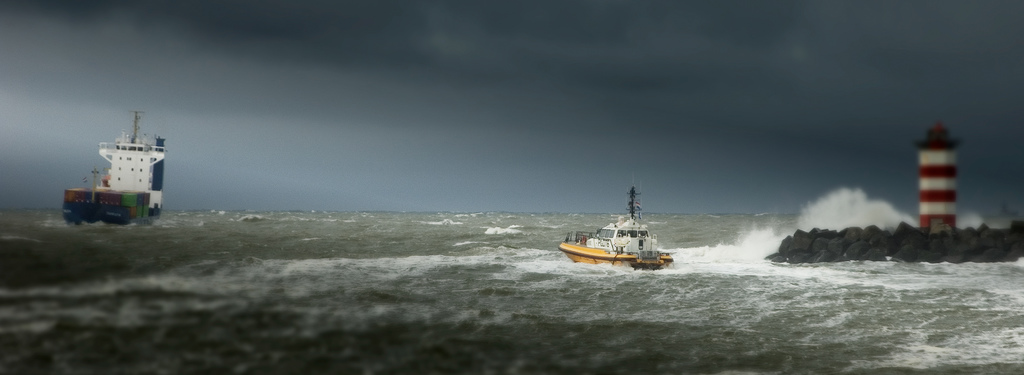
(938, 178)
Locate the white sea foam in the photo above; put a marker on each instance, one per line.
(13, 238)
(847, 207)
(499, 230)
(966, 348)
(442, 222)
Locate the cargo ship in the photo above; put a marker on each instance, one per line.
(626, 242)
(131, 190)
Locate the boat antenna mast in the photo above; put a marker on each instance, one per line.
(135, 125)
(632, 202)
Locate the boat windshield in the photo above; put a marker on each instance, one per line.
(607, 233)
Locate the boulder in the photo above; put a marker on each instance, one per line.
(869, 232)
(876, 254)
(784, 247)
(973, 246)
(838, 245)
(827, 234)
(800, 258)
(948, 243)
(906, 253)
(1017, 227)
(966, 235)
(1014, 255)
(801, 242)
(983, 243)
(929, 256)
(776, 258)
(857, 251)
(884, 241)
(915, 238)
(827, 256)
(903, 230)
(961, 250)
(990, 255)
(937, 246)
(1014, 238)
(853, 233)
(999, 239)
(819, 244)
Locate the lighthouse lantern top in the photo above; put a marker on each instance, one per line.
(937, 139)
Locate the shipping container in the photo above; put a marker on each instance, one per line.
(129, 199)
(143, 211)
(109, 197)
(133, 212)
(77, 195)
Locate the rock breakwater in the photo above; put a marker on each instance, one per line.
(906, 243)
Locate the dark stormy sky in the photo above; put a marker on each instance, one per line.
(532, 106)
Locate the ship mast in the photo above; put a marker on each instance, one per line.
(135, 125)
(94, 173)
(632, 202)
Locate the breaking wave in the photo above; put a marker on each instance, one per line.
(839, 209)
(845, 207)
(443, 222)
(499, 230)
(751, 246)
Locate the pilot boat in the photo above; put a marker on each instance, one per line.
(626, 242)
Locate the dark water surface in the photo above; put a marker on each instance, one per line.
(380, 293)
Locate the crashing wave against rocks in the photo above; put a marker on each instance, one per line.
(907, 243)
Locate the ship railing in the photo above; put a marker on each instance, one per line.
(579, 237)
(130, 147)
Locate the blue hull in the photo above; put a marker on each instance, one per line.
(86, 212)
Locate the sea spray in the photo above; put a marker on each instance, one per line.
(970, 220)
(846, 207)
(750, 246)
(840, 208)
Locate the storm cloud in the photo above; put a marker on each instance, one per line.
(518, 106)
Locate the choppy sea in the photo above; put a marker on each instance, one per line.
(483, 293)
